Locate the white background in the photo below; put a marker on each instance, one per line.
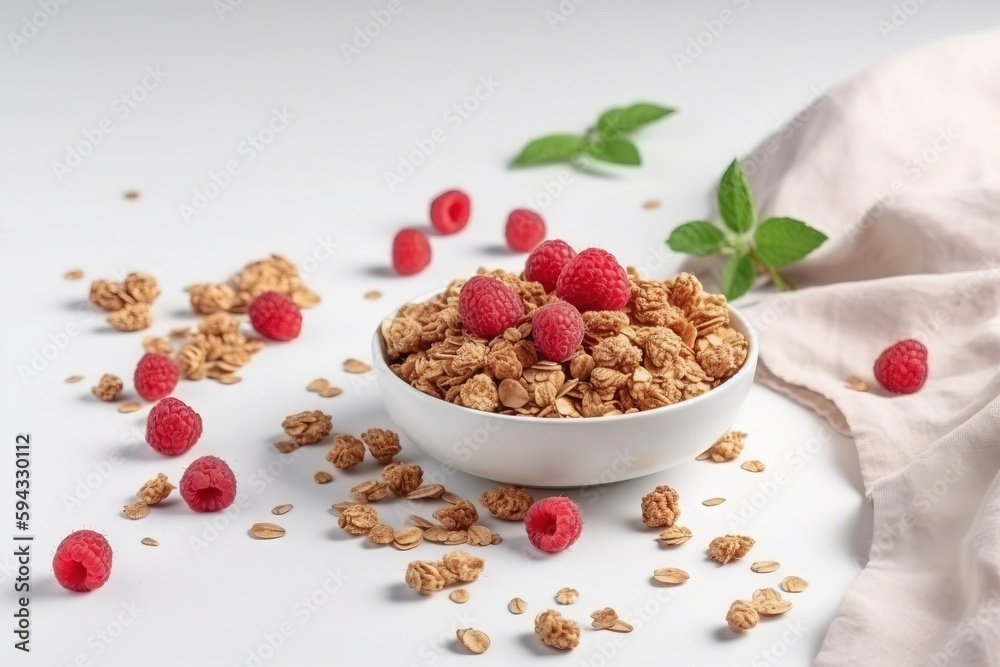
(322, 182)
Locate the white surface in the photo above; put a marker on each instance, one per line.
(547, 453)
(321, 183)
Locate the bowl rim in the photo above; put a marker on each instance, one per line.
(748, 368)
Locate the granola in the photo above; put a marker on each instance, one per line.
(307, 428)
(728, 547)
(510, 503)
(660, 507)
(347, 452)
(556, 631)
(671, 342)
(108, 387)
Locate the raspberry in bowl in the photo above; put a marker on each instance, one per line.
(656, 373)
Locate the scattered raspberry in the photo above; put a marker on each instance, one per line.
(525, 230)
(411, 251)
(450, 211)
(274, 316)
(82, 561)
(553, 524)
(208, 485)
(155, 376)
(172, 427)
(594, 280)
(547, 261)
(902, 367)
(488, 307)
(558, 330)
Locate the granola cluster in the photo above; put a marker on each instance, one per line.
(459, 516)
(401, 478)
(128, 301)
(382, 443)
(272, 274)
(728, 547)
(428, 577)
(307, 428)
(358, 519)
(108, 387)
(347, 452)
(728, 447)
(672, 341)
(556, 631)
(660, 507)
(510, 503)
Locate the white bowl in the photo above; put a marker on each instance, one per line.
(560, 453)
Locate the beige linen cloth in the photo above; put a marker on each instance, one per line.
(901, 168)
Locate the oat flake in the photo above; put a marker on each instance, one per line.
(267, 531)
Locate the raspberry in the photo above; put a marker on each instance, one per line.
(208, 485)
(450, 211)
(525, 230)
(546, 262)
(82, 561)
(274, 316)
(554, 523)
(172, 427)
(155, 376)
(488, 307)
(411, 251)
(594, 280)
(557, 329)
(902, 367)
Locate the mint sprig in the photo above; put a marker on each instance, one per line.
(752, 246)
(607, 141)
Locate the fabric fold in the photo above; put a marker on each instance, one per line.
(901, 168)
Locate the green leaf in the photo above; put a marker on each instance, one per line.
(737, 276)
(736, 199)
(609, 123)
(550, 148)
(614, 122)
(696, 238)
(642, 113)
(617, 151)
(781, 241)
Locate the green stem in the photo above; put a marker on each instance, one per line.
(780, 281)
